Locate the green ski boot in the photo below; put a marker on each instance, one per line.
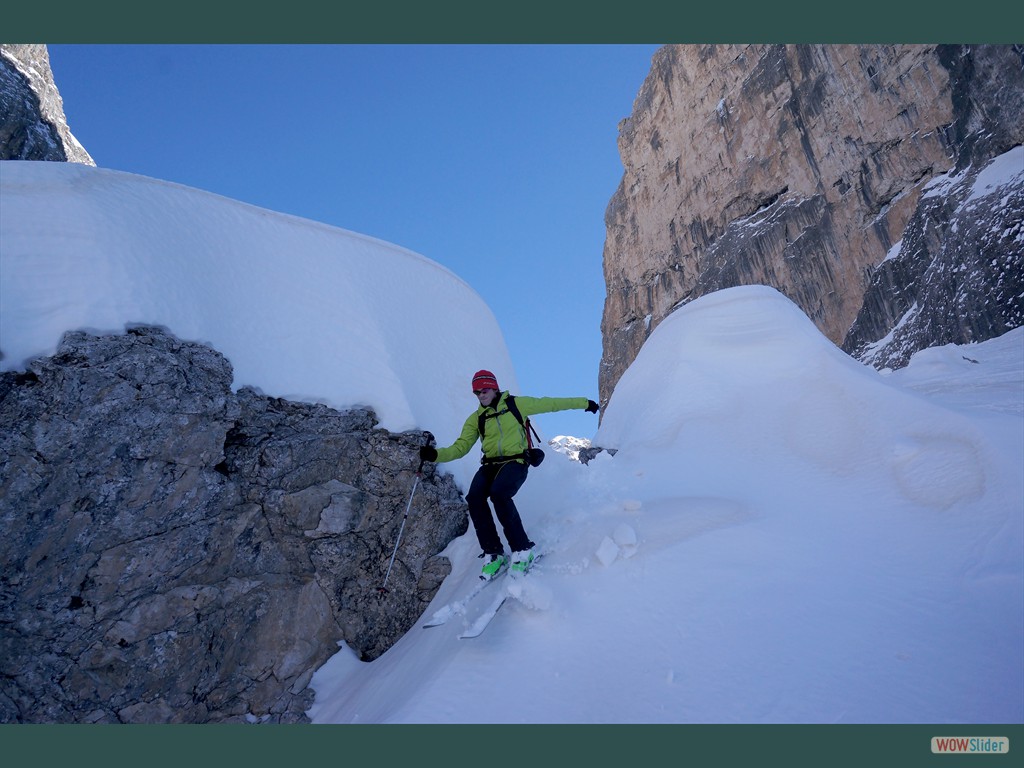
(494, 565)
(521, 561)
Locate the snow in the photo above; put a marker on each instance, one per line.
(783, 535)
(569, 445)
(1005, 170)
(894, 252)
(302, 310)
(872, 349)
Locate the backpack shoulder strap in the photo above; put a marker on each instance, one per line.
(510, 401)
(510, 405)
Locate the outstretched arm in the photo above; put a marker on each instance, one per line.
(466, 440)
(531, 405)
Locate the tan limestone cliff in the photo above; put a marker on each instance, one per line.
(791, 166)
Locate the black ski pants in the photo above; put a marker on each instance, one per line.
(499, 482)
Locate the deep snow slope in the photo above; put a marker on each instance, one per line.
(783, 536)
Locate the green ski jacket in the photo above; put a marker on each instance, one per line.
(503, 436)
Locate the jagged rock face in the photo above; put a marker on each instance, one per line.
(32, 122)
(957, 275)
(796, 166)
(176, 552)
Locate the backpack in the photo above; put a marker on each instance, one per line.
(533, 456)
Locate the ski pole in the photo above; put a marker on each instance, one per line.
(419, 473)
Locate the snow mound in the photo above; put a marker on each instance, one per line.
(302, 310)
(783, 536)
(744, 369)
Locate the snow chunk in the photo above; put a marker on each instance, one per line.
(607, 552)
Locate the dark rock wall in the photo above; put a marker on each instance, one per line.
(958, 274)
(176, 552)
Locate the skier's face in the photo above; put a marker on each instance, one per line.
(485, 396)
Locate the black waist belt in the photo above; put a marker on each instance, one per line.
(502, 459)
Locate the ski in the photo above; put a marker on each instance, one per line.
(484, 619)
(459, 607)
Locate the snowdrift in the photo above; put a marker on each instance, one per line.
(302, 310)
(783, 536)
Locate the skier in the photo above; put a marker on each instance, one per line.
(503, 467)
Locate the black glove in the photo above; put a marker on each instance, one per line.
(428, 454)
(591, 406)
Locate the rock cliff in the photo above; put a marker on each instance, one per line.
(957, 274)
(32, 121)
(799, 167)
(177, 552)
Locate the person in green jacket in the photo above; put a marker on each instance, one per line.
(503, 467)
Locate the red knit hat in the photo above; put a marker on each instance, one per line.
(484, 380)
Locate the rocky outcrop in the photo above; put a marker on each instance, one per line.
(174, 551)
(798, 167)
(957, 276)
(32, 121)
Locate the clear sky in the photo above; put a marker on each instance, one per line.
(497, 161)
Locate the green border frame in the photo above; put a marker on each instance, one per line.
(523, 21)
(559, 746)
(526, 21)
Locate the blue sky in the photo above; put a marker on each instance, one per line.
(497, 161)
